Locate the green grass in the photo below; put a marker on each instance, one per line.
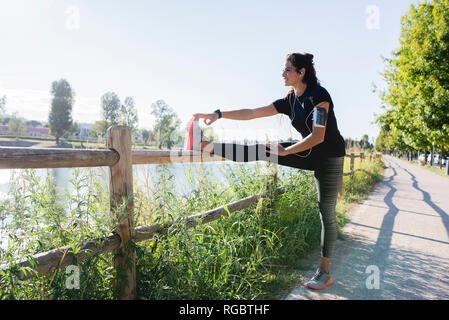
(255, 253)
(357, 187)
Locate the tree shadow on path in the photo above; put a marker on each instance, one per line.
(428, 199)
(402, 273)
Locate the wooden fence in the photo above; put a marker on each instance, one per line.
(119, 158)
(352, 157)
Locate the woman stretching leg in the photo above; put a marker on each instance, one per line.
(311, 111)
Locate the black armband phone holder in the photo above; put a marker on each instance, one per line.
(319, 117)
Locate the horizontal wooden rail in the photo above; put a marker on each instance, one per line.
(349, 173)
(34, 158)
(354, 155)
(171, 156)
(46, 262)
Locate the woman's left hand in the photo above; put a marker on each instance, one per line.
(277, 148)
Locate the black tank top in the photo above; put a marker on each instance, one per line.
(300, 112)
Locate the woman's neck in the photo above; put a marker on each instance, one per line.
(300, 88)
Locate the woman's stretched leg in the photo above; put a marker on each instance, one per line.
(258, 152)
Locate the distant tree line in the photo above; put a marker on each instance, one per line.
(362, 144)
(166, 132)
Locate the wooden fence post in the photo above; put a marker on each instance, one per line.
(351, 166)
(122, 205)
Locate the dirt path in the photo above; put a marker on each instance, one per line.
(397, 243)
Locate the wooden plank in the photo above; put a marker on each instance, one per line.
(33, 158)
(172, 156)
(147, 232)
(122, 206)
(46, 262)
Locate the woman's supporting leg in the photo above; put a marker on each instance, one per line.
(328, 178)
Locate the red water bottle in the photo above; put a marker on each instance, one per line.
(193, 133)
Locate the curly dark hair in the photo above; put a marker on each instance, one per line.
(304, 60)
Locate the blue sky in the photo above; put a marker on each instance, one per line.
(196, 55)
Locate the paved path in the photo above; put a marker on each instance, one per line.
(401, 231)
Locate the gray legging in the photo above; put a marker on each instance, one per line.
(328, 176)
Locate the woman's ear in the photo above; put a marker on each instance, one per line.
(302, 71)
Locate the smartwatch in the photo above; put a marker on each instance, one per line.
(218, 112)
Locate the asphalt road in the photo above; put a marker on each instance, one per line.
(396, 246)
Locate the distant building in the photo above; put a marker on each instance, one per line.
(84, 132)
(138, 138)
(3, 130)
(29, 132)
(37, 132)
(84, 129)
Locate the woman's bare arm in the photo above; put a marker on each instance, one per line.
(241, 114)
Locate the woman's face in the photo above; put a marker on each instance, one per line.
(291, 77)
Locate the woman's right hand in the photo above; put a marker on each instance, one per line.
(209, 118)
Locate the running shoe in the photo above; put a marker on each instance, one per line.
(320, 280)
(194, 135)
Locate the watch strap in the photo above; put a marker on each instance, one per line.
(219, 113)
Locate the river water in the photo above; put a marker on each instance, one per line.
(143, 175)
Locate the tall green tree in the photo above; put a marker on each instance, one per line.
(2, 108)
(146, 135)
(417, 97)
(2, 105)
(16, 126)
(110, 106)
(128, 114)
(166, 125)
(60, 117)
(34, 123)
(98, 129)
(74, 129)
(364, 142)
